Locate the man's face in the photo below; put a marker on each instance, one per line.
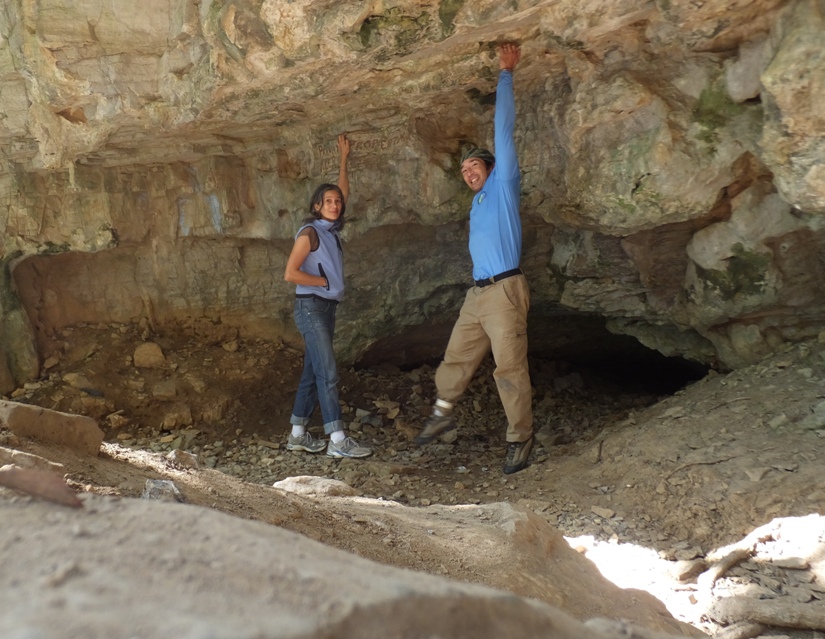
(475, 172)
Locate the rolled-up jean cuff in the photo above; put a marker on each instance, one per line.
(330, 428)
(298, 421)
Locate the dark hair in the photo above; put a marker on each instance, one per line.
(317, 199)
(482, 154)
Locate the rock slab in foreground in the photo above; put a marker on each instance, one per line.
(79, 433)
(107, 571)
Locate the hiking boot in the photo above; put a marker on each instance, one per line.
(305, 442)
(434, 426)
(517, 454)
(348, 448)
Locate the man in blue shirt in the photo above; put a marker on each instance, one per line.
(494, 313)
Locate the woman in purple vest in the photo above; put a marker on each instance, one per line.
(316, 266)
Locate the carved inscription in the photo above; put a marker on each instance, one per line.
(323, 159)
(360, 144)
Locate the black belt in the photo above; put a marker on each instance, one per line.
(499, 277)
(317, 297)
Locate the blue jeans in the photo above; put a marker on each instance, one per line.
(315, 319)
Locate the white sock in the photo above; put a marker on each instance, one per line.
(298, 430)
(442, 408)
(337, 436)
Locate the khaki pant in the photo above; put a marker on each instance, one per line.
(493, 317)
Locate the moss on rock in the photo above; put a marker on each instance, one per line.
(745, 274)
(713, 111)
(447, 11)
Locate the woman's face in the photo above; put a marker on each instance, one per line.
(330, 208)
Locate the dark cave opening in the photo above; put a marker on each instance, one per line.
(643, 371)
(560, 345)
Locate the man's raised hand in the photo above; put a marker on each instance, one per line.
(508, 56)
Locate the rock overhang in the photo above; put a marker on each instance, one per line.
(184, 140)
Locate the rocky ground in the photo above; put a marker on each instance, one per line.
(229, 402)
(659, 489)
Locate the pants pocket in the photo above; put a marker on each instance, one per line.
(517, 293)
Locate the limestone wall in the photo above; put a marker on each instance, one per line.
(156, 160)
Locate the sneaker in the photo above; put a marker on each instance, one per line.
(348, 448)
(434, 426)
(305, 442)
(517, 454)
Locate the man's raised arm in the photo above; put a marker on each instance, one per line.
(505, 116)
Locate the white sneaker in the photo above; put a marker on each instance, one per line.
(348, 448)
(305, 442)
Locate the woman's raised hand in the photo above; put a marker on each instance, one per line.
(343, 145)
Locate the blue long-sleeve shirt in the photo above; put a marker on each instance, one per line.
(495, 225)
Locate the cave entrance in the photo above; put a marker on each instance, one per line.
(641, 370)
(561, 344)
(584, 379)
